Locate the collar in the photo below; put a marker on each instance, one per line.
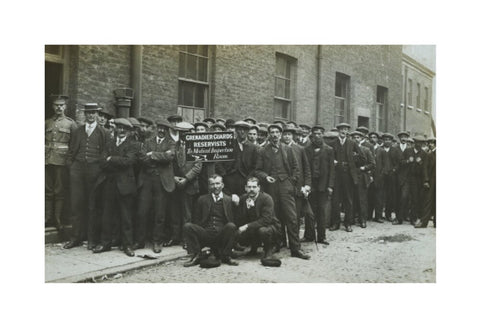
(92, 125)
(344, 139)
(120, 140)
(220, 196)
(415, 150)
(403, 146)
(255, 198)
(387, 149)
(159, 140)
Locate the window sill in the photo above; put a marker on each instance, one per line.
(410, 107)
(419, 110)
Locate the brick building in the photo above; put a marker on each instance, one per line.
(325, 84)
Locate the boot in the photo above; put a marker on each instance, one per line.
(49, 220)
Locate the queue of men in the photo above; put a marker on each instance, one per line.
(131, 185)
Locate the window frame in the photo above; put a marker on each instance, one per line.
(291, 67)
(345, 80)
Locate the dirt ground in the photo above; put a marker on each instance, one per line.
(381, 253)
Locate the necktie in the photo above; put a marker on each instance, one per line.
(217, 197)
(89, 130)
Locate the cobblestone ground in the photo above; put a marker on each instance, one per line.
(381, 253)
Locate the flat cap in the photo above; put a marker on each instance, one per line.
(362, 129)
(184, 126)
(200, 123)
(432, 139)
(292, 122)
(290, 130)
(173, 118)
(407, 134)
(419, 138)
(210, 119)
(134, 121)
(305, 126)
(374, 133)
(256, 127)
(104, 112)
(342, 125)
(357, 133)
(145, 120)
(163, 123)
(331, 134)
(218, 125)
(318, 127)
(242, 124)
(274, 125)
(263, 129)
(123, 121)
(387, 136)
(253, 120)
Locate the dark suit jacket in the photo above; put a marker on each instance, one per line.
(264, 162)
(245, 163)
(159, 163)
(322, 166)
(188, 169)
(120, 165)
(353, 153)
(77, 136)
(416, 167)
(305, 176)
(366, 175)
(265, 215)
(430, 168)
(204, 207)
(403, 163)
(380, 157)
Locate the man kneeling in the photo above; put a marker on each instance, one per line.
(259, 224)
(212, 225)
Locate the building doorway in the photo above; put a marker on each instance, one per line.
(53, 84)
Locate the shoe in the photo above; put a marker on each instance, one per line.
(71, 244)
(348, 228)
(157, 247)
(229, 261)
(363, 224)
(380, 221)
(305, 240)
(323, 242)
(137, 246)
(238, 247)
(396, 222)
(300, 254)
(128, 251)
(420, 225)
(195, 261)
(334, 228)
(101, 248)
(91, 246)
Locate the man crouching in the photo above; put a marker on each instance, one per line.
(259, 224)
(212, 225)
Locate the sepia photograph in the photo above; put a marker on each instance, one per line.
(231, 163)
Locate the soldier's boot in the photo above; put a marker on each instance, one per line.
(58, 215)
(49, 219)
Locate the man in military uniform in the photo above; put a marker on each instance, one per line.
(86, 152)
(58, 131)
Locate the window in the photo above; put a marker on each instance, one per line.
(382, 97)
(409, 94)
(285, 70)
(342, 86)
(425, 105)
(193, 82)
(418, 95)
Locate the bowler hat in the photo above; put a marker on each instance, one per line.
(271, 262)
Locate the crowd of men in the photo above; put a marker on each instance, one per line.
(130, 183)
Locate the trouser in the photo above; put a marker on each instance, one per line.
(416, 199)
(181, 208)
(283, 195)
(402, 201)
(117, 214)
(152, 193)
(55, 186)
(375, 199)
(319, 202)
(305, 210)
(390, 194)
(220, 241)
(255, 237)
(83, 198)
(342, 194)
(361, 200)
(429, 205)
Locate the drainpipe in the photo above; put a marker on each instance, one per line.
(319, 70)
(405, 104)
(136, 80)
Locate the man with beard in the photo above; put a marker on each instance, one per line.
(321, 159)
(346, 177)
(117, 181)
(212, 225)
(278, 168)
(87, 150)
(155, 183)
(256, 217)
(58, 131)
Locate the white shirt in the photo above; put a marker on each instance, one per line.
(159, 140)
(220, 197)
(387, 149)
(121, 140)
(342, 141)
(90, 127)
(403, 146)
